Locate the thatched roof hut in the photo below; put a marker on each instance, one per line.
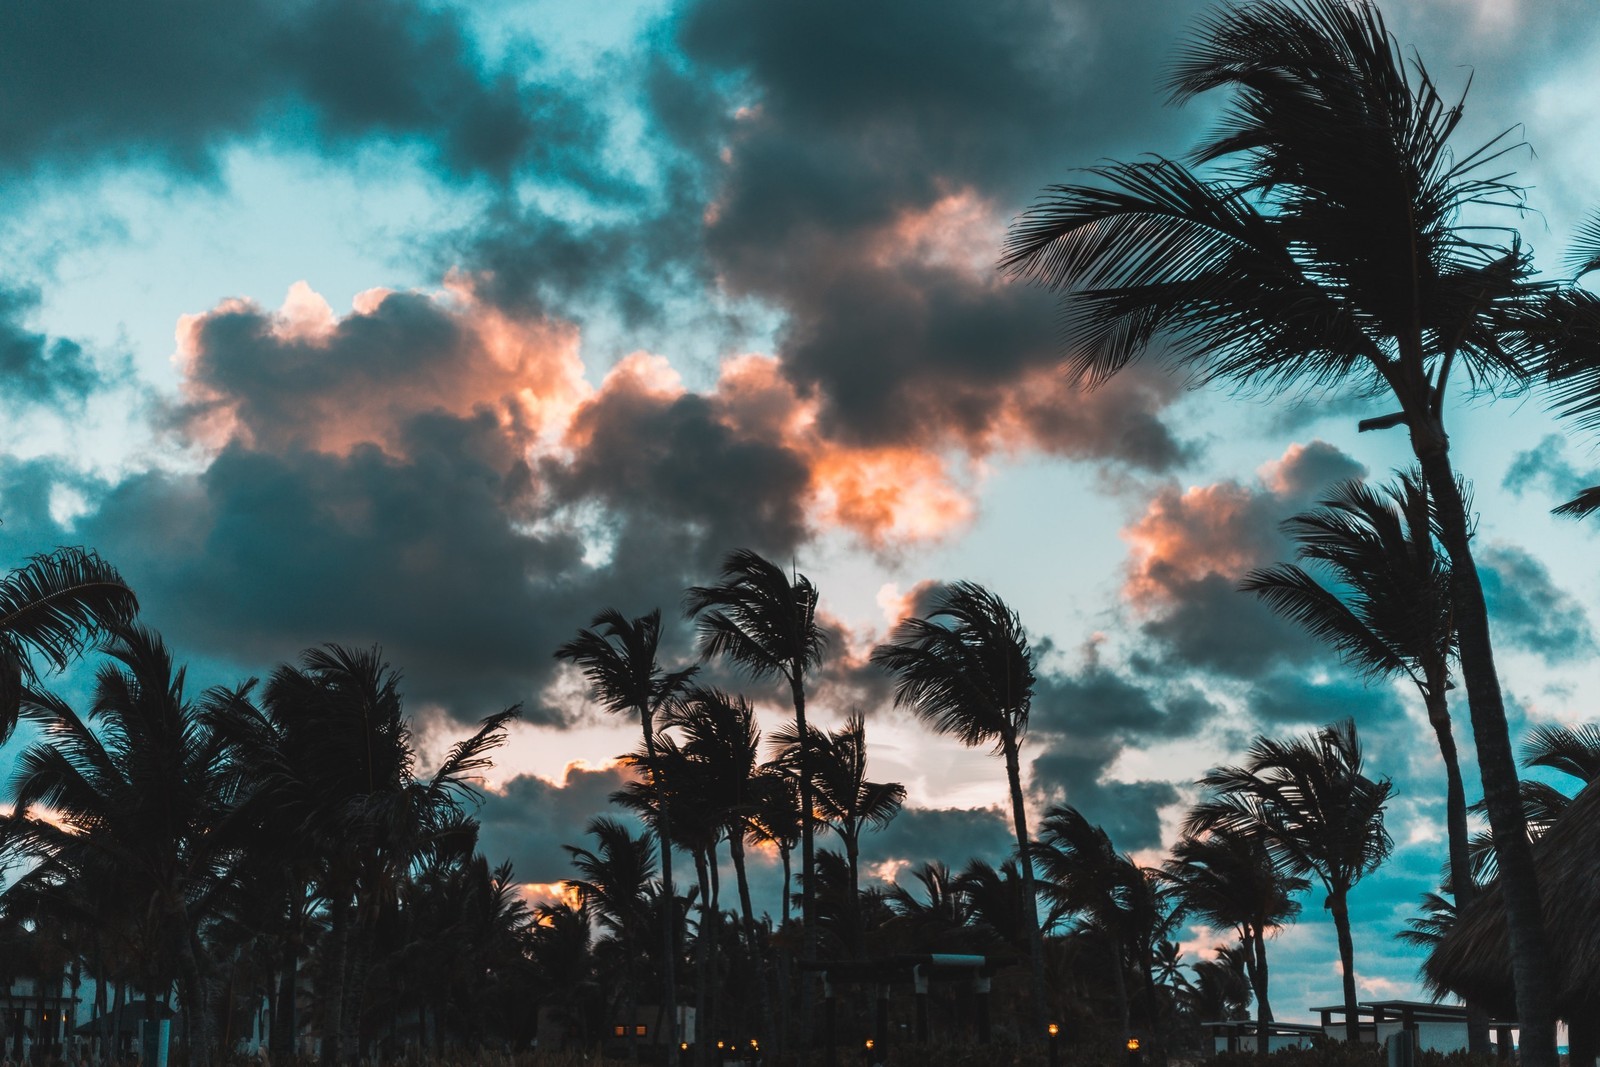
(1474, 958)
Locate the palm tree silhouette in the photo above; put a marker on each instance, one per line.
(619, 658)
(613, 887)
(339, 718)
(54, 605)
(846, 802)
(765, 624)
(1309, 803)
(1330, 250)
(1230, 880)
(722, 741)
(966, 669)
(1083, 873)
(1385, 605)
(135, 792)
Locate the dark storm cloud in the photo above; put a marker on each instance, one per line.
(671, 460)
(36, 369)
(1083, 722)
(1529, 611)
(529, 819)
(263, 554)
(88, 83)
(950, 835)
(866, 184)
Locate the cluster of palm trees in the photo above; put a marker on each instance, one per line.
(245, 846)
(1068, 903)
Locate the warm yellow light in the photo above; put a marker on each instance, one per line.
(719, 1044)
(619, 1031)
(869, 1042)
(1133, 1044)
(754, 1043)
(1055, 1028)
(683, 1046)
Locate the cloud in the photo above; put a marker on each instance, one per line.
(38, 370)
(950, 835)
(1529, 611)
(90, 84)
(1191, 547)
(1545, 467)
(529, 819)
(1080, 725)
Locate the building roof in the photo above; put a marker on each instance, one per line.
(1473, 960)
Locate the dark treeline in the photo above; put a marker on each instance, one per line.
(274, 847)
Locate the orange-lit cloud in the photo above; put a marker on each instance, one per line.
(302, 376)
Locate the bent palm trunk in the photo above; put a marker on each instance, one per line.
(1530, 953)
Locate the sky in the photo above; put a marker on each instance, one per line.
(442, 327)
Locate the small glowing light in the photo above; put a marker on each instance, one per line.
(619, 1031)
(869, 1042)
(1055, 1028)
(683, 1046)
(719, 1044)
(754, 1043)
(1133, 1044)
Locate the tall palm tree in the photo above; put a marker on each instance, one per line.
(764, 622)
(618, 656)
(1384, 603)
(846, 802)
(135, 791)
(1328, 248)
(613, 886)
(1083, 873)
(345, 766)
(1309, 803)
(1230, 880)
(966, 669)
(54, 605)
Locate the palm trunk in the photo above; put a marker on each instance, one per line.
(1119, 983)
(1463, 888)
(1256, 945)
(1531, 969)
(808, 857)
(752, 938)
(1347, 960)
(332, 977)
(702, 945)
(852, 853)
(1030, 910)
(285, 1024)
(669, 958)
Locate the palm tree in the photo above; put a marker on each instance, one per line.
(1230, 880)
(1084, 874)
(54, 605)
(135, 791)
(765, 623)
(776, 819)
(966, 669)
(345, 767)
(613, 886)
(1385, 605)
(1328, 249)
(846, 802)
(619, 658)
(1309, 803)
